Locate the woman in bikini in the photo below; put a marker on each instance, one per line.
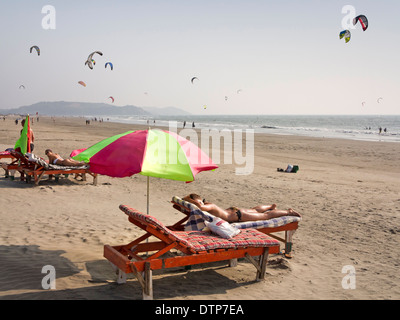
(235, 214)
(55, 158)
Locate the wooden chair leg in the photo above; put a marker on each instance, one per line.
(121, 277)
(233, 262)
(148, 283)
(263, 265)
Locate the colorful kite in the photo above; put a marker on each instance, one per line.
(346, 35)
(36, 48)
(362, 20)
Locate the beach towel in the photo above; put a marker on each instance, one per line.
(201, 220)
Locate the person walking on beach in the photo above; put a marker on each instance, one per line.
(235, 214)
(55, 158)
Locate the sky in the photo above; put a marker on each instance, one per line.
(250, 56)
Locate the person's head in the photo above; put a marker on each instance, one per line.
(23, 122)
(48, 152)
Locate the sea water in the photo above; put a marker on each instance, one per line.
(353, 127)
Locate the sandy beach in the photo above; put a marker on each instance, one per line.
(347, 192)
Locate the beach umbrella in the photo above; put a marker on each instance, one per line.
(23, 144)
(152, 153)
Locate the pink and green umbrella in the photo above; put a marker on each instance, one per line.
(155, 153)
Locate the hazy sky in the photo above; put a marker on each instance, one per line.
(285, 56)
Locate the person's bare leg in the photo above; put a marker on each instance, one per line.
(72, 162)
(263, 208)
(251, 216)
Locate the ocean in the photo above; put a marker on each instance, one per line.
(353, 127)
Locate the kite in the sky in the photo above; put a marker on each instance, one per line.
(194, 78)
(363, 21)
(36, 48)
(110, 64)
(90, 60)
(82, 83)
(379, 99)
(346, 35)
(112, 99)
(22, 86)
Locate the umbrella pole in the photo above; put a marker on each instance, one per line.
(148, 200)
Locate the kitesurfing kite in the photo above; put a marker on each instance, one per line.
(363, 21)
(36, 48)
(363, 103)
(346, 35)
(110, 64)
(82, 83)
(90, 60)
(22, 86)
(194, 78)
(379, 99)
(112, 99)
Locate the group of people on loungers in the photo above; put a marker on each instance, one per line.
(235, 214)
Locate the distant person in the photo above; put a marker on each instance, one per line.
(384, 130)
(30, 134)
(184, 124)
(16, 121)
(55, 158)
(380, 130)
(193, 124)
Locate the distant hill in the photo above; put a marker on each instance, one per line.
(63, 108)
(165, 111)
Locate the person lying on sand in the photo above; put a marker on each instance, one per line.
(55, 158)
(235, 214)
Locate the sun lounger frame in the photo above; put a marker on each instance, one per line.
(29, 169)
(126, 258)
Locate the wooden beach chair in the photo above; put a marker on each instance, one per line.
(194, 247)
(194, 220)
(37, 168)
(7, 166)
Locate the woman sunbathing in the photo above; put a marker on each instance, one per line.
(55, 158)
(235, 214)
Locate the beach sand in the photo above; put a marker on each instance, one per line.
(347, 192)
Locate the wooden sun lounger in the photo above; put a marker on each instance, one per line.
(18, 161)
(195, 247)
(7, 166)
(29, 169)
(288, 225)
